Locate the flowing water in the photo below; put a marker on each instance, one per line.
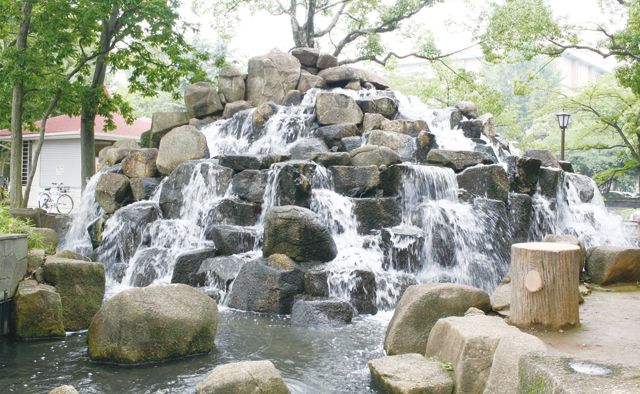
(441, 238)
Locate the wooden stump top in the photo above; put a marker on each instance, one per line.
(546, 246)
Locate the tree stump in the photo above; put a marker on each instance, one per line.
(544, 285)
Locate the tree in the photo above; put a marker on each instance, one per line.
(351, 27)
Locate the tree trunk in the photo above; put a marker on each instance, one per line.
(91, 100)
(15, 188)
(544, 284)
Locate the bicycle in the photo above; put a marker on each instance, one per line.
(58, 193)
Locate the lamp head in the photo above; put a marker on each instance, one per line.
(563, 119)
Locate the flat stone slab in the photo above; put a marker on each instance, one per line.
(410, 373)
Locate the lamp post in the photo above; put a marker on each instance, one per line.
(563, 122)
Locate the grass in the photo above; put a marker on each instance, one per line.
(9, 224)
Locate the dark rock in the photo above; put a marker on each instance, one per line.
(548, 181)
(242, 162)
(267, 285)
(187, 266)
(520, 206)
(298, 233)
(363, 292)
(307, 148)
(584, 186)
(313, 312)
(341, 76)
(249, 185)
(402, 248)
(293, 98)
(425, 141)
(456, 160)
(468, 109)
(566, 166)
(384, 106)
(455, 117)
(475, 128)
(143, 188)
(332, 135)
(547, 158)
(350, 144)
(113, 191)
(219, 272)
(329, 159)
(488, 152)
(233, 212)
(523, 174)
(336, 108)
(294, 183)
(355, 181)
(316, 282)
(485, 181)
(230, 240)
(376, 213)
(149, 265)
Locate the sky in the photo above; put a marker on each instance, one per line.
(451, 22)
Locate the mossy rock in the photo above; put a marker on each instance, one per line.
(38, 312)
(81, 286)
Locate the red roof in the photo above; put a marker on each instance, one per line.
(63, 123)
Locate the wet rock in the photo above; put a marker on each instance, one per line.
(153, 324)
(355, 181)
(362, 293)
(172, 194)
(332, 135)
(37, 311)
(374, 155)
(548, 182)
(293, 98)
(566, 166)
(485, 181)
(337, 108)
(234, 107)
(298, 233)
(326, 61)
(294, 183)
(143, 188)
(520, 207)
(584, 186)
(95, 230)
(314, 312)
(187, 266)
(263, 113)
(309, 81)
(219, 271)
(456, 160)
(385, 106)
(553, 373)
(271, 76)
(233, 212)
(307, 148)
(350, 144)
(202, 99)
(455, 117)
(376, 213)
(241, 162)
(316, 282)
(249, 185)
(163, 122)
(149, 264)
(267, 285)
(469, 344)
(420, 308)
(329, 159)
(113, 191)
(523, 174)
(403, 145)
(231, 84)
(230, 240)
(468, 109)
(402, 248)
(179, 145)
(425, 141)
(613, 264)
(475, 128)
(410, 373)
(81, 286)
(243, 377)
(488, 152)
(546, 157)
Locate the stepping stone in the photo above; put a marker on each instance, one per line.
(410, 373)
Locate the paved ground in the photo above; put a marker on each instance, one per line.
(609, 332)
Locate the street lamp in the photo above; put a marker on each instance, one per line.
(563, 122)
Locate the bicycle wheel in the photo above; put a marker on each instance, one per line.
(44, 200)
(64, 204)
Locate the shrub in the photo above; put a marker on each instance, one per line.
(9, 224)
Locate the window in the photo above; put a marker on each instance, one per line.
(26, 156)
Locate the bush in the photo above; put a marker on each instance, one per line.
(9, 224)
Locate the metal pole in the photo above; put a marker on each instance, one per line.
(562, 145)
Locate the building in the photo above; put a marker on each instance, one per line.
(60, 155)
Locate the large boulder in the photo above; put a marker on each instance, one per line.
(420, 308)
(546, 157)
(179, 145)
(307, 148)
(374, 213)
(307, 56)
(249, 185)
(202, 100)
(341, 76)
(298, 233)
(140, 163)
(233, 212)
(523, 174)
(246, 377)
(410, 373)
(152, 324)
(325, 61)
(187, 266)
(330, 159)
(468, 109)
(271, 76)
(267, 285)
(336, 108)
(403, 145)
(293, 183)
(613, 264)
(485, 181)
(456, 160)
(37, 311)
(230, 240)
(556, 373)
(113, 191)
(314, 312)
(231, 84)
(369, 155)
(162, 123)
(355, 181)
(81, 286)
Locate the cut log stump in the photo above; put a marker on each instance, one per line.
(544, 280)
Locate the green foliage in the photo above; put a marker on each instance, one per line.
(9, 224)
